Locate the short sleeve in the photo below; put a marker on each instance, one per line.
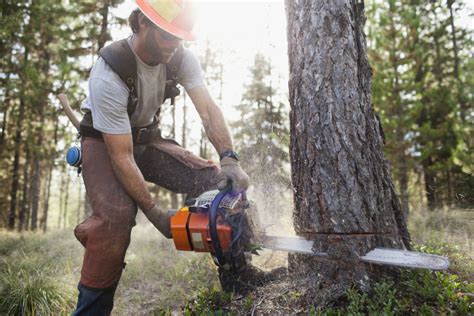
(109, 100)
(190, 72)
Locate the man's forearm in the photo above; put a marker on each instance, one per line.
(212, 119)
(218, 132)
(133, 182)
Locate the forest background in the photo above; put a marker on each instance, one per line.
(421, 53)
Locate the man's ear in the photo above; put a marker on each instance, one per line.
(142, 21)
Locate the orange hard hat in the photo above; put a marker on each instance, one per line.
(173, 16)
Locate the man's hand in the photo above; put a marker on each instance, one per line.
(160, 219)
(232, 173)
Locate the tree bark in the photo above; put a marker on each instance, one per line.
(104, 33)
(36, 189)
(464, 107)
(16, 160)
(343, 194)
(5, 108)
(403, 185)
(61, 197)
(203, 151)
(44, 221)
(431, 191)
(66, 199)
(185, 126)
(25, 201)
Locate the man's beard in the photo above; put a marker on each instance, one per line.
(155, 51)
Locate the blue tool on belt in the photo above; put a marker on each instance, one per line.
(74, 153)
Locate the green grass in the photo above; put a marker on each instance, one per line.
(32, 292)
(35, 276)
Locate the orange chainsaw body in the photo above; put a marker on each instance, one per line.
(190, 231)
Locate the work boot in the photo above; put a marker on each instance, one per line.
(94, 302)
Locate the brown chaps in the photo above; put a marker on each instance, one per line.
(106, 233)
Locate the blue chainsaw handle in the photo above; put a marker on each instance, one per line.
(213, 224)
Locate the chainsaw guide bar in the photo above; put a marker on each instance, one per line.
(384, 256)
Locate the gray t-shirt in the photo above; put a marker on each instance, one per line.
(108, 94)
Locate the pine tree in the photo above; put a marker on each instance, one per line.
(261, 134)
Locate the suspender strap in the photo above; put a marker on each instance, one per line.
(120, 57)
(172, 68)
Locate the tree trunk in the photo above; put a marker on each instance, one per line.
(403, 185)
(36, 189)
(343, 194)
(464, 107)
(66, 199)
(203, 151)
(25, 201)
(449, 188)
(104, 34)
(61, 199)
(431, 191)
(5, 108)
(185, 126)
(16, 161)
(44, 221)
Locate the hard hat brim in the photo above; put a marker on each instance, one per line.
(163, 24)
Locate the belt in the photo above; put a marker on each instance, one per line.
(140, 135)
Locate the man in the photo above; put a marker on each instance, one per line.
(123, 148)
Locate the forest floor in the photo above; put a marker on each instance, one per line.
(39, 273)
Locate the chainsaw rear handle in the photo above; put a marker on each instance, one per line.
(213, 224)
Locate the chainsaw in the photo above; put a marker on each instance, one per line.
(224, 224)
